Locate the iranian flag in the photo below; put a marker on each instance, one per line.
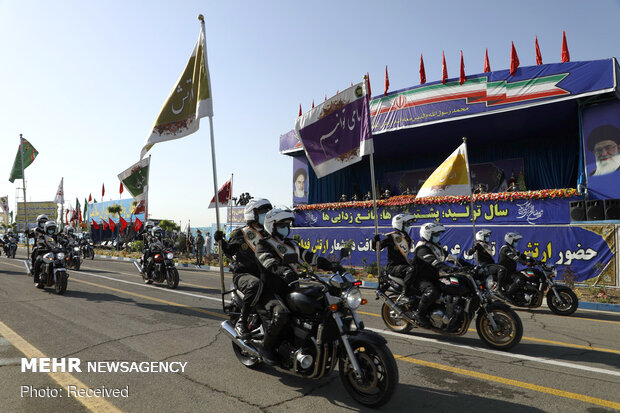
(189, 100)
(136, 180)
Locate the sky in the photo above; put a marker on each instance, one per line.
(84, 81)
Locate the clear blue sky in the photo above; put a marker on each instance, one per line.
(84, 81)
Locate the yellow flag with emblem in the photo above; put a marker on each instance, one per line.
(451, 178)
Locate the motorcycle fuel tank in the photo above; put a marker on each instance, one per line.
(305, 301)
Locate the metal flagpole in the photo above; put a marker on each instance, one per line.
(21, 149)
(471, 194)
(374, 206)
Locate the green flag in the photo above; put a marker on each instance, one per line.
(29, 153)
(189, 100)
(85, 209)
(136, 180)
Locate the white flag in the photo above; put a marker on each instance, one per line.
(451, 178)
(60, 193)
(4, 204)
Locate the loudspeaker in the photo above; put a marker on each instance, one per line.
(612, 209)
(595, 210)
(577, 210)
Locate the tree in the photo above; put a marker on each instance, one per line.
(168, 226)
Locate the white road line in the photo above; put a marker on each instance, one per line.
(498, 353)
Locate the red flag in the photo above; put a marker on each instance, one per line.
(137, 225)
(538, 55)
(95, 225)
(223, 194)
(312, 103)
(112, 224)
(462, 75)
(325, 97)
(514, 60)
(90, 197)
(105, 224)
(102, 190)
(387, 82)
(422, 71)
(120, 190)
(565, 54)
(300, 109)
(123, 224)
(487, 65)
(79, 212)
(444, 68)
(368, 85)
(67, 215)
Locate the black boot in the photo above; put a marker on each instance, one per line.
(267, 351)
(241, 327)
(420, 314)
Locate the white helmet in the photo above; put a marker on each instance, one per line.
(278, 216)
(50, 227)
(429, 229)
(483, 235)
(252, 208)
(400, 220)
(149, 225)
(157, 232)
(41, 220)
(512, 237)
(69, 230)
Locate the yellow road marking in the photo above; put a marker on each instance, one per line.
(94, 404)
(510, 382)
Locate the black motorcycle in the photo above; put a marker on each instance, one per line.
(164, 270)
(539, 280)
(324, 330)
(53, 272)
(462, 298)
(10, 247)
(72, 255)
(87, 247)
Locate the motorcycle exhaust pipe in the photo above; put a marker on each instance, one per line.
(394, 307)
(229, 330)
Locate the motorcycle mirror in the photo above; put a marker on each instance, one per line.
(290, 258)
(344, 253)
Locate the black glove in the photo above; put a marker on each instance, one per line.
(218, 236)
(324, 264)
(338, 268)
(290, 276)
(376, 238)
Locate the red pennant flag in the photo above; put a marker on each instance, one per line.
(514, 60)
(387, 82)
(112, 224)
(120, 190)
(123, 224)
(137, 225)
(487, 65)
(444, 68)
(565, 54)
(300, 109)
(351, 83)
(312, 103)
(538, 55)
(462, 75)
(79, 212)
(102, 190)
(90, 197)
(223, 194)
(368, 85)
(67, 215)
(95, 225)
(325, 98)
(422, 71)
(105, 224)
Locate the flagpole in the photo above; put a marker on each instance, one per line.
(21, 149)
(148, 184)
(471, 193)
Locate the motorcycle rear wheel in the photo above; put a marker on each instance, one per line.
(569, 304)
(380, 374)
(510, 327)
(173, 278)
(393, 321)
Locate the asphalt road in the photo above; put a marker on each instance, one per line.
(563, 364)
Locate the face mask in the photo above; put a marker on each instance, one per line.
(261, 219)
(406, 229)
(435, 239)
(487, 239)
(50, 232)
(283, 231)
(514, 243)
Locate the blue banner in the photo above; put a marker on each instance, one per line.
(585, 251)
(99, 211)
(526, 211)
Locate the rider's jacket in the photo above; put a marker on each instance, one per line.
(429, 259)
(509, 256)
(484, 252)
(398, 244)
(240, 249)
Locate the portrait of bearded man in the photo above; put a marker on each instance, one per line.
(604, 143)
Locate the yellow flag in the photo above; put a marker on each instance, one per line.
(451, 178)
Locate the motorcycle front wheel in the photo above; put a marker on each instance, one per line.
(509, 327)
(76, 264)
(567, 306)
(379, 374)
(173, 278)
(393, 321)
(61, 283)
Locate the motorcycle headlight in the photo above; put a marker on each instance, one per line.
(76, 249)
(169, 256)
(353, 298)
(60, 256)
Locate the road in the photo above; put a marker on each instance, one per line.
(563, 364)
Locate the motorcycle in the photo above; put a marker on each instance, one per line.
(72, 256)
(463, 297)
(53, 272)
(324, 330)
(164, 269)
(539, 279)
(10, 247)
(87, 248)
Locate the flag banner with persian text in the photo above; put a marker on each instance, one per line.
(336, 133)
(28, 153)
(136, 180)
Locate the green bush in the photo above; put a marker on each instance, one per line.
(137, 246)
